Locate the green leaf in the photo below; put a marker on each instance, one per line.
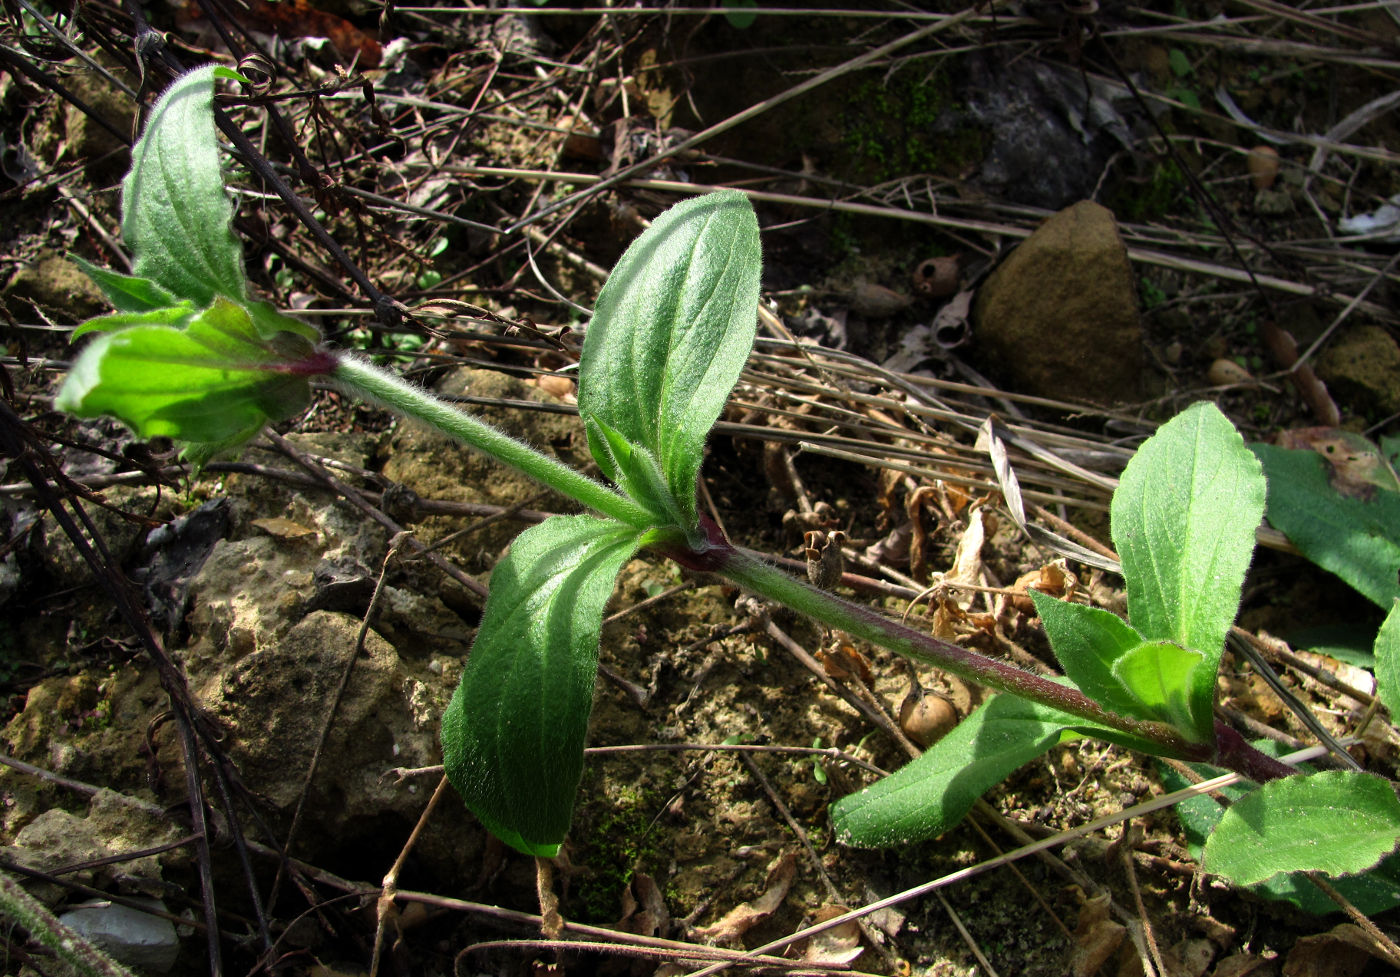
(1352, 532)
(216, 381)
(269, 322)
(672, 329)
(931, 794)
(1372, 892)
(127, 293)
(175, 213)
(740, 13)
(1338, 822)
(1163, 676)
(1111, 663)
(1088, 641)
(512, 736)
(174, 315)
(1388, 661)
(1183, 519)
(635, 470)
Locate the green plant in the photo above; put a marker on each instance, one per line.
(190, 355)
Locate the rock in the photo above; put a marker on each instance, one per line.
(1032, 112)
(436, 467)
(1059, 317)
(277, 692)
(128, 935)
(1362, 367)
(56, 287)
(114, 825)
(89, 726)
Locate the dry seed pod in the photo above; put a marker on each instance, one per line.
(825, 561)
(1262, 162)
(1226, 372)
(877, 301)
(937, 277)
(926, 717)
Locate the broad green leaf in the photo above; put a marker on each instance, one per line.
(215, 381)
(1088, 641)
(176, 215)
(512, 736)
(269, 322)
(1352, 533)
(1183, 519)
(671, 331)
(1372, 892)
(127, 293)
(1338, 822)
(931, 794)
(1162, 676)
(1388, 661)
(1349, 642)
(173, 315)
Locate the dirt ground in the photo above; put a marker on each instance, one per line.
(894, 162)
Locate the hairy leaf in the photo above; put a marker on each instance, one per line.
(931, 794)
(1339, 822)
(671, 331)
(1183, 519)
(215, 381)
(1372, 892)
(173, 315)
(1088, 641)
(512, 736)
(1388, 661)
(1355, 535)
(175, 212)
(1111, 663)
(636, 471)
(127, 293)
(1162, 676)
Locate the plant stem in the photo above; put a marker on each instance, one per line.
(70, 947)
(869, 625)
(365, 380)
(716, 554)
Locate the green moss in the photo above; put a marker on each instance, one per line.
(614, 837)
(1156, 197)
(890, 127)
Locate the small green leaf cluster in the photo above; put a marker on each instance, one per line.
(187, 354)
(1183, 520)
(673, 326)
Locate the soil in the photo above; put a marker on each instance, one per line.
(318, 735)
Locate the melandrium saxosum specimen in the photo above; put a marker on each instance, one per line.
(190, 355)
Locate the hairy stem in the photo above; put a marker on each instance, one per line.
(70, 947)
(869, 625)
(367, 381)
(716, 554)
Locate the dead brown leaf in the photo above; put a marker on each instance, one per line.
(1344, 951)
(741, 919)
(838, 945)
(1096, 937)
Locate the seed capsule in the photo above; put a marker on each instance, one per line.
(1262, 162)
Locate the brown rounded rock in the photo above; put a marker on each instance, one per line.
(1059, 318)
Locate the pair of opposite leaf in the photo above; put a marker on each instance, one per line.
(189, 355)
